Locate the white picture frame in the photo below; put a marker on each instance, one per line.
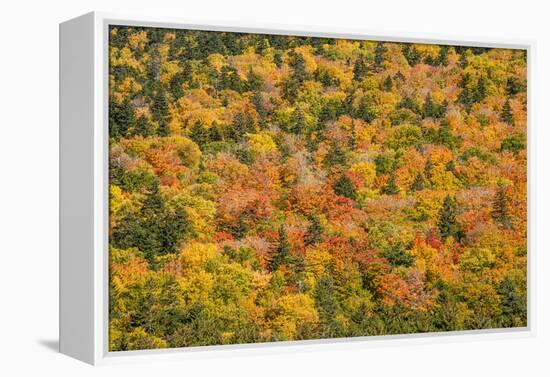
(84, 191)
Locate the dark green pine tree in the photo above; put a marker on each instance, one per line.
(379, 56)
(463, 59)
(387, 85)
(447, 223)
(391, 188)
(411, 54)
(298, 65)
(513, 303)
(345, 187)
(445, 135)
(282, 253)
(360, 69)
(255, 82)
(399, 77)
(314, 232)
(327, 306)
(481, 89)
(514, 86)
(419, 183)
(122, 117)
(298, 122)
(506, 115)
(443, 56)
(160, 112)
(199, 134)
(429, 109)
(143, 127)
(258, 102)
(336, 156)
(243, 123)
(215, 132)
(500, 207)
(466, 96)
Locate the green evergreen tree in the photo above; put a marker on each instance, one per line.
(255, 81)
(430, 108)
(379, 56)
(391, 188)
(466, 96)
(122, 117)
(327, 306)
(360, 68)
(443, 56)
(500, 207)
(447, 223)
(199, 134)
(514, 86)
(419, 183)
(215, 132)
(387, 85)
(159, 109)
(506, 115)
(445, 136)
(428, 171)
(298, 122)
(513, 302)
(143, 127)
(399, 76)
(514, 143)
(314, 232)
(282, 253)
(411, 54)
(243, 123)
(345, 187)
(368, 109)
(463, 59)
(336, 156)
(481, 89)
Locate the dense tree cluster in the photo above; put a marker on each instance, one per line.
(267, 188)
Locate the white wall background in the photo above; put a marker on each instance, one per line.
(29, 185)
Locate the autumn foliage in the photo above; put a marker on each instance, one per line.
(268, 188)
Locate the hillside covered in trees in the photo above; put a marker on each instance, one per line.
(270, 188)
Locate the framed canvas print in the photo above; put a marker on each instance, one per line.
(228, 188)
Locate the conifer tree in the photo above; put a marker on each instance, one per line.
(159, 109)
(391, 187)
(418, 184)
(430, 108)
(500, 207)
(336, 156)
(360, 68)
(314, 231)
(387, 85)
(506, 115)
(411, 54)
(298, 121)
(481, 89)
(282, 253)
(143, 127)
(327, 305)
(379, 56)
(463, 59)
(199, 134)
(215, 133)
(122, 117)
(345, 187)
(443, 56)
(447, 223)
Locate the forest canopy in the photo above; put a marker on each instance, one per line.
(269, 188)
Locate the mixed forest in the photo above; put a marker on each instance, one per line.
(273, 188)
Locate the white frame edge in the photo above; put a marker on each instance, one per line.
(84, 246)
